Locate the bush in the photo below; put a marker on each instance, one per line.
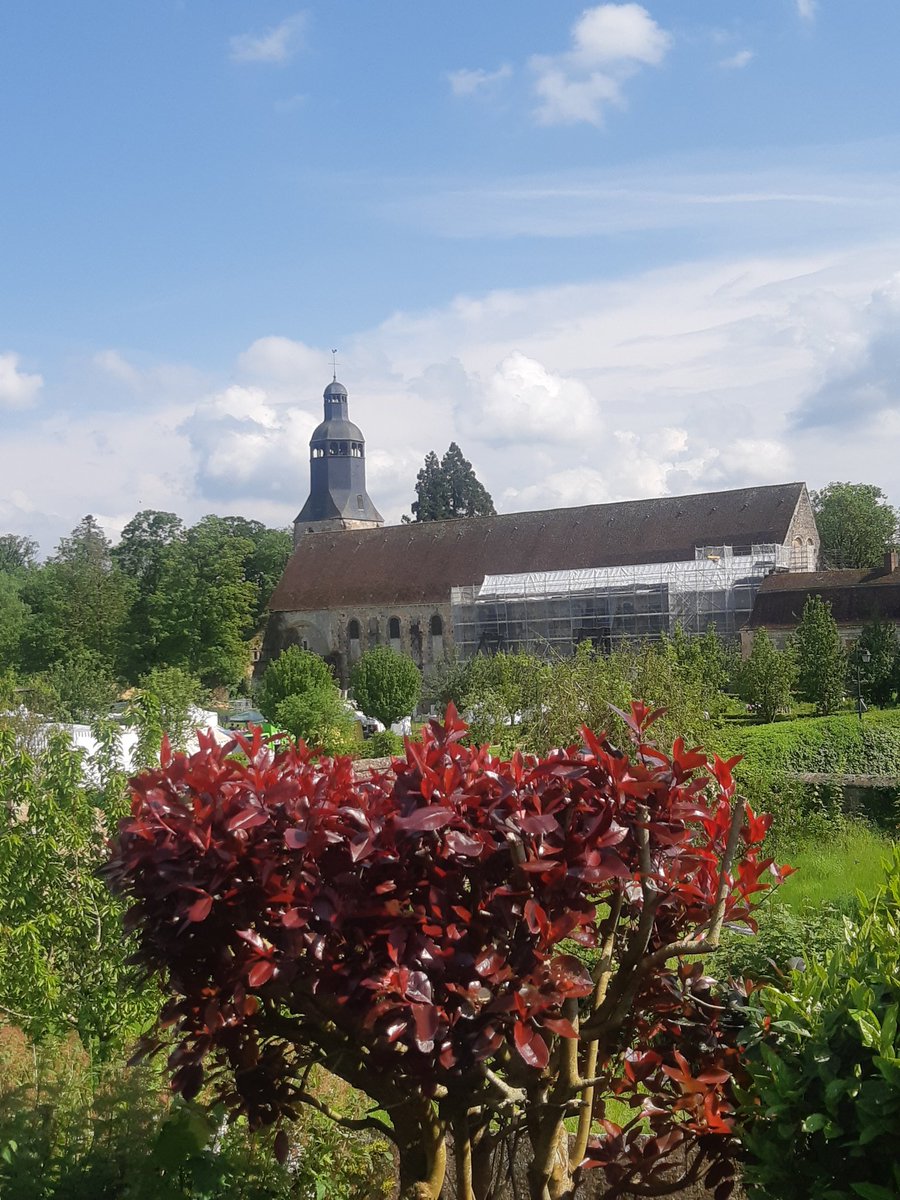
(385, 744)
(785, 938)
(69, 1131)
(765, 678)
(176, 691)
(821, 659)
(386, 685)
(822, 1113)
(291, 674)
(320, 717)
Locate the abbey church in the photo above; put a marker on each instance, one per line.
(607, 573)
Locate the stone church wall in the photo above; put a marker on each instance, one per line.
(425, 634)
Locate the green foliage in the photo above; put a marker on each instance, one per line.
(879, 678)
(320, 717)
(822, 1114)
(449, 488)
(62, 953)
(71, 1131)
(78, 687)
(16, 552)
(856, 524)
(766, 677)
(386, 685)
(176, 691)
(786, 936)
(294, 672)
(14, 616)
(384, 744)
(446, 683)
(821, 659)
(79, 602)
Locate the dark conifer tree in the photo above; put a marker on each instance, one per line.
(448, 488)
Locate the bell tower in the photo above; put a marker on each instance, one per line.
(337, 473)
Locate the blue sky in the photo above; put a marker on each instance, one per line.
(678, 221)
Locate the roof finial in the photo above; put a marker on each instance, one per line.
(334, 365)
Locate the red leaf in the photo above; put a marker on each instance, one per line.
(247, 818)
(530, 1045)
(570, 976)
(425, 820)
(199, 910)
(261, 972)
(560, 1026)
(295, 839)
(462, 844)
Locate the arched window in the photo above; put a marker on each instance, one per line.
(797, 555)
(810, 554)
(436, 627)
(353, 636)
(394, 632)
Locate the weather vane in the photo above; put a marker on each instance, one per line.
(334, 364)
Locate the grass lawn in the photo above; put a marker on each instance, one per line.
(828, 872)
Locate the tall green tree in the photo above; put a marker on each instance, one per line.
(141, 553)
(203, 609)
(14, 617)
(856, 524)
(449, 488)
(766, 677)
(878, 677)
(16, 552)
(80, 601)
(821, 658)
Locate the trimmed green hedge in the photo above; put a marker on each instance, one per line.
(839, 745)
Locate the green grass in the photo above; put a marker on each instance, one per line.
(833, 871)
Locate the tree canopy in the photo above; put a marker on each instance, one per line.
(856, 524)
(386, 685)
(449, 488)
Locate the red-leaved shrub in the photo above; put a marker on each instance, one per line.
(485, 948)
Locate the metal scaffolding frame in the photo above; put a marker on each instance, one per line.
(553, 611)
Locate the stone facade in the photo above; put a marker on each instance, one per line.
(422, 632)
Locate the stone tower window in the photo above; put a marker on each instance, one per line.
(353, 636)
(394, 633)
(436, 628)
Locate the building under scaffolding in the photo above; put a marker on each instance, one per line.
(554, 611)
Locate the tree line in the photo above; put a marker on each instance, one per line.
(97, 617)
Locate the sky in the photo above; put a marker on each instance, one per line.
(613, 251)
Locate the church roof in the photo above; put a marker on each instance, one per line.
(409, 564)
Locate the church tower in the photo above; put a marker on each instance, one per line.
(337, 473)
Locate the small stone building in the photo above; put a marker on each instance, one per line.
(601, 572)
(856, 597)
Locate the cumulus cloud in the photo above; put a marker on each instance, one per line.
(736, 62)
(861, 379)
(277, 44)
(18, 388)
(807, 9)
(524, 400)
(609, 44)
(470, 81)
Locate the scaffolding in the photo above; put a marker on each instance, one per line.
(551, 612)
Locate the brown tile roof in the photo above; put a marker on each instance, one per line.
(855, 597)
(420, 563)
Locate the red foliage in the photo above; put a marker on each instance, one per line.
(413, 921)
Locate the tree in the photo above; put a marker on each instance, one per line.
(203, 609)
(821, 659)
(449, 488)
(16, 552)
(78, 688)
(766, 678)
(320, 717)
(141, 554)
(80, 601)
(386, 685)
(856, 524)
(175, 692)
(878, 677)
(14, 617)
(412, 933)
(293, 672)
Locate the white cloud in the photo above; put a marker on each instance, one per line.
(807, 9)
(18, 388)
(468, 81)
(737, 62)
(524, 400)
(275, 45)
(609, 43)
